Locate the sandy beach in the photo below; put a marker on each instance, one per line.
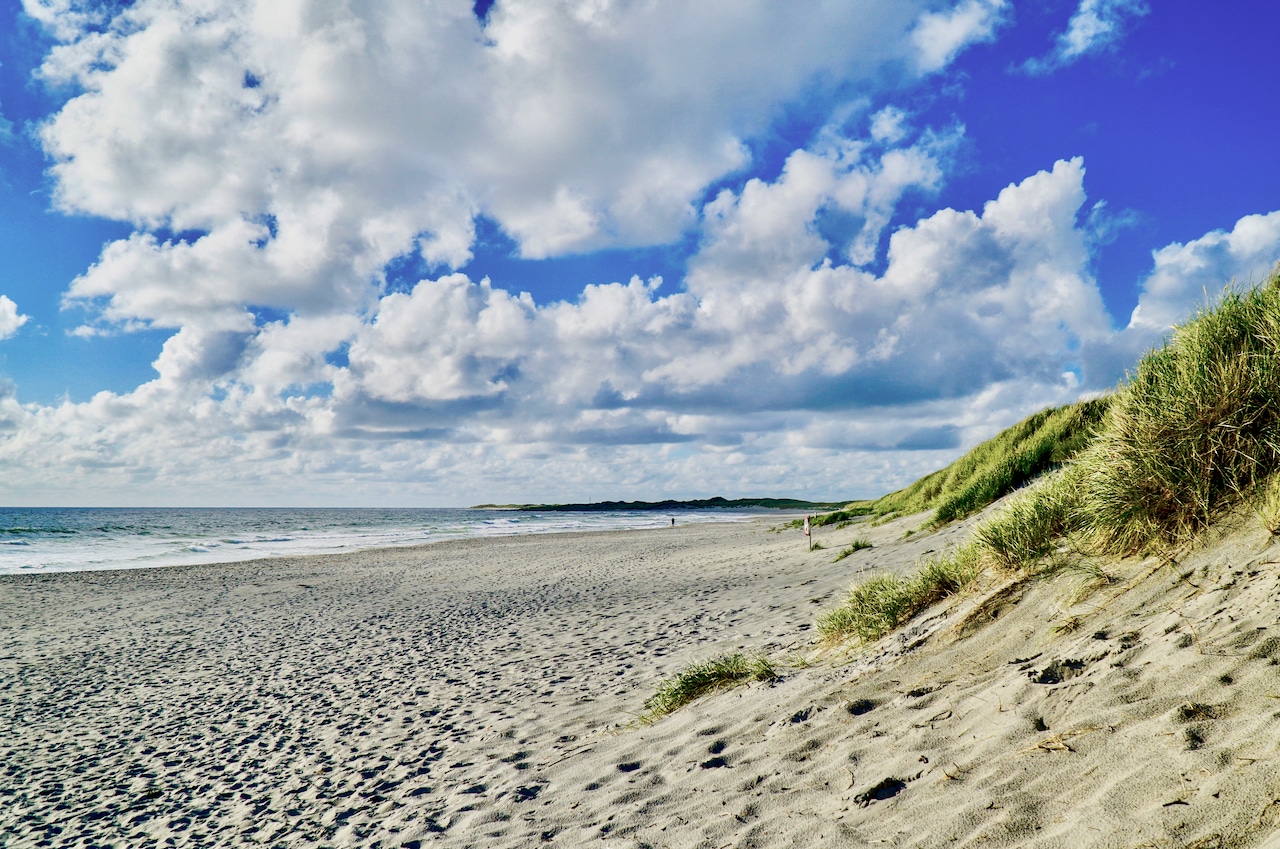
(485, 693)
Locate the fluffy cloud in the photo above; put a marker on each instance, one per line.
(1187, 276)
(10, 320)
(1096, 25)
(276, 157)
(300, 147)
(774, 354)
(939, 36)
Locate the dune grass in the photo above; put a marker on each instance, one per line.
(881, 604)
(1196, 428)
(699, 679)
(1033, 524)
(991, 470)
(1193, 431)
(857, 545)
(848, 513)
(1011, 459)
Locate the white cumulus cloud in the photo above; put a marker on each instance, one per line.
(10, 319)
(1187, 276)
(766, 359)
(303, 146)
(940, 36)
(275, 158)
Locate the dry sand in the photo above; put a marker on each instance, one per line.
(483, 693)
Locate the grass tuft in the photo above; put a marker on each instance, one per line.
(1030, 527)
(1197, 426)
(857, 545)
(851, 511)
(872, 609)
(877, 606)
(699, 679)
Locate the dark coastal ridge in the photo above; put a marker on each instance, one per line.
(717, 503)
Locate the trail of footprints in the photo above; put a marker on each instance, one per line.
(273, 706)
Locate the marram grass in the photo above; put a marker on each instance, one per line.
(1193, 431)
(1030, 527)
(699, 679)
(881, 604)
(1196, 428)
(857, 545)
(1009, 460)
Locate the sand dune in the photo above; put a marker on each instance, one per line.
(484, 693)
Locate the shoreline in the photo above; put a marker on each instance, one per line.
(80, 548)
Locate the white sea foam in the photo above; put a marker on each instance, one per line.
(36, 540)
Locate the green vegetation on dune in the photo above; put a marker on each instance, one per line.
(1194, 431)
(852, 548)
(850, 511)
(1197, 427)
(993, 469)
(877, 606)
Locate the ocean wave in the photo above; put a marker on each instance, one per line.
(77, 539)
(27, 530)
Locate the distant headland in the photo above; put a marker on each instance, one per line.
(716, 503)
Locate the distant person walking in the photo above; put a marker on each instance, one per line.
(673, 521)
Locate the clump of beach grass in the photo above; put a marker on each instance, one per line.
(845, 515)
(1197, 426)
(857, 545)
(881, 604)
(1032, 524)
(1195, 430)
(698, 679)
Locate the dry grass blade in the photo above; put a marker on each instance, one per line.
(1058, 742)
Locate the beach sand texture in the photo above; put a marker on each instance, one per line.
(484, 693)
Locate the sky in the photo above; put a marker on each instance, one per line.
(440, 253)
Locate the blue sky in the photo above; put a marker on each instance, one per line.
(429, 253)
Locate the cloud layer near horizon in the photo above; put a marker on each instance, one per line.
(300, 148)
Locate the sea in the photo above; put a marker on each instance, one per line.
(57, 539)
